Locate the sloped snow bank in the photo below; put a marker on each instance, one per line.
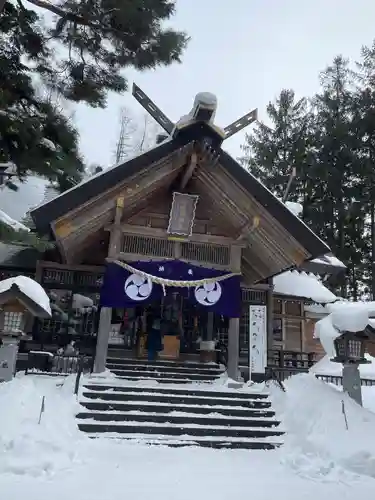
(312, 414)
(25, 445)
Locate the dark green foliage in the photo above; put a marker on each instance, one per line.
(35, 136)
(330, 139)
(101, 38)
(77, 50)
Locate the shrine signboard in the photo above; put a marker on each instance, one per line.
(182, 214)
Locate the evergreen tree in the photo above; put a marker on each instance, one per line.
(364, 116)
(96, 40)
(329, 207)
(272, 151)
(78, 54)
(35, 136)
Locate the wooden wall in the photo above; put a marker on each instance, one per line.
(292, 330)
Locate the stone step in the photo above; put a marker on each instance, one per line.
(129, 373)
(178, 392)
(178, 419)
(231, 444)
(175, 399)
(164, 369)
(162, 380)
(165, 408)
(177, 430)
(164, 362)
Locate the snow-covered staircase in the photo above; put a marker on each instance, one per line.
(202, 413)
(167, 372)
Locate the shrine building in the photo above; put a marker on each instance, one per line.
(181, 231)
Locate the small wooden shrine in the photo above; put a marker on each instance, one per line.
(184, 228)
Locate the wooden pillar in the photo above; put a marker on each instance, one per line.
(106, 312)
(210, 326)
(270, 316)
(234, 323)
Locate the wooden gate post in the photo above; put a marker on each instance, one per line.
(234, 323)
(106, 312)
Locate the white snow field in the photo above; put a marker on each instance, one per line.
(320, 457)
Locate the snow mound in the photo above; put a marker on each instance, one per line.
(30, 288)
(312, 414)
(27, 447)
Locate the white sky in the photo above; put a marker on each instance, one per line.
(244, 51)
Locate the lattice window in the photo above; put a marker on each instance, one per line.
(12, 321)
(254, 296)
(57, 277)
(205, 252)
(88, 279)
(144, 245)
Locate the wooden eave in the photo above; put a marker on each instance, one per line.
(280, 240)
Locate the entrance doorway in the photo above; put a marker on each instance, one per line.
(183, 325)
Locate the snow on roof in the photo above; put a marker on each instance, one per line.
(30, 288)
(295, 208)
(344, 317)
(302, 284)
(327, 367)
(330, 260)
(8, 221)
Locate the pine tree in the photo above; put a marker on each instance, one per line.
(79, 54)
(35, 136)
(329, 209)
(96, 41)
(364, 116)
(272, 151)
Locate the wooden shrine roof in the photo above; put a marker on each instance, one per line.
(226, 180)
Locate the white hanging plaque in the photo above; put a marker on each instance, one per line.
(257, 339)
(182, 214)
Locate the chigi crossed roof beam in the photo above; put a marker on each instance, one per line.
(204, 110)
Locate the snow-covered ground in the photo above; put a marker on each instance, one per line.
(320, 457)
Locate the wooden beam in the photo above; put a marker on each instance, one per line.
(248, 228)
(129, 257)
(257, 286)
(115, 235)
(189, 170)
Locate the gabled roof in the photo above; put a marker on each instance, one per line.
(98, 184)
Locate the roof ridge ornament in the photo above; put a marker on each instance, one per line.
(204, 110)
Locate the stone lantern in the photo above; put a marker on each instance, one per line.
(350, 348)
(20, 299)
